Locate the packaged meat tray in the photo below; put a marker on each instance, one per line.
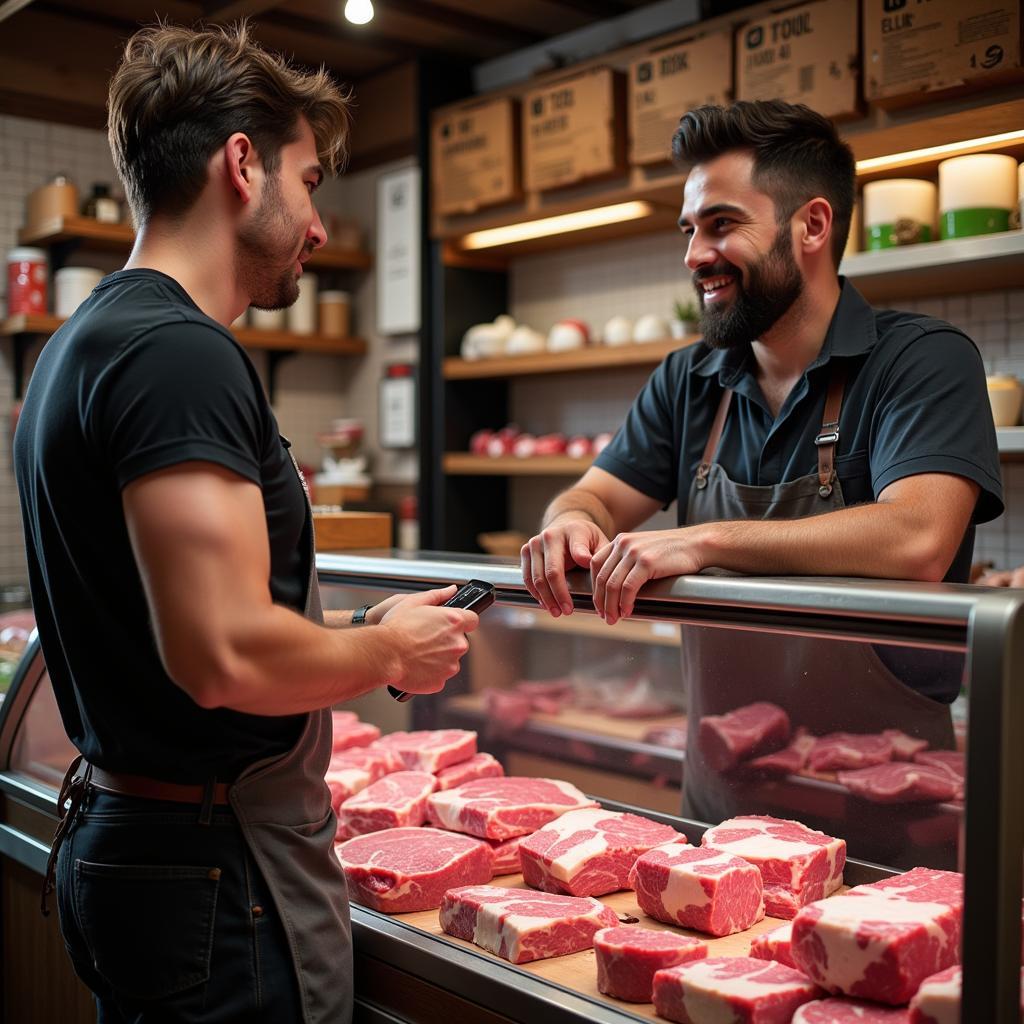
(628, 959)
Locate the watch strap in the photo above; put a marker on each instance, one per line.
(359, 615)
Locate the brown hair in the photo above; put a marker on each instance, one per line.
(178, 95)
(798, 155)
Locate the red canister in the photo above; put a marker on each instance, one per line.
(26, 281)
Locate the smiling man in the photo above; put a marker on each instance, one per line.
(806, 434)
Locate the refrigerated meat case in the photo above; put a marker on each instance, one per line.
(603, 702)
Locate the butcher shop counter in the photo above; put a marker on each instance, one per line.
(406, 969)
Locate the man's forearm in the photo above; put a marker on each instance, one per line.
(578, 503)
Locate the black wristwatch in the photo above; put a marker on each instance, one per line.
(359, 615)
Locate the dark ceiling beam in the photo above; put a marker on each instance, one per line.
(97, 18)
(9, 7)
(471, 24)
(226, 10)
(597, 10)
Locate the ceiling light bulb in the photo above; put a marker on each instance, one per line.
(359, 12)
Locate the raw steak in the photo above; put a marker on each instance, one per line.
(628, 959)
(479, 766)
(520, 925)
(431, 750)
(899, 782)
(671, 736)
(790, 759)
(406, 869)
(731, 990)
(378, 762)
(880, 941)
(354, 734)
(937, 1001)
(698, 887)
(841, 750)
(503, 808)
(951, 762)
(725, 740)
(506, 855)
(849, 1011)
(339, 719)
(589, 852)
(798, 864)
(775, 945)
(904, 747)
(506, 711)
(398, 800)
(344, 783)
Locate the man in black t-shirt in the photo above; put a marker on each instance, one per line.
(170, 553)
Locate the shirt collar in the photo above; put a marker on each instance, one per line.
(851, 332)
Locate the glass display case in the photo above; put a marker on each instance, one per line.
(720, 696)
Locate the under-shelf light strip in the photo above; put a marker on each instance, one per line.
(880, 163)
(546, 226)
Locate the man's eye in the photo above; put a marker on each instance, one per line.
(687, 232)
(721, 222)
(311, 185)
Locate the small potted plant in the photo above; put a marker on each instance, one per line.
(686, 317)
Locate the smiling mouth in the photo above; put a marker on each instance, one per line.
(714, 288)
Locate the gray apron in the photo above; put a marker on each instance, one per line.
(823, 685)
(284, 809)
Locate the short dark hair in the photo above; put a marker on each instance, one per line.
(797, 152)
(178, 95)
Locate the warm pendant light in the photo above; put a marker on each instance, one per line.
(359, 12)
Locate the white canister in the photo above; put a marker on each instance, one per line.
(302, 312)
(72, 286)
(977, 194)
(335, 314)
(898, 211)
(266, 319)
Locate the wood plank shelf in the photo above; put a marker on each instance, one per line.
(594, 357)
(467, 464)
(119, 237)
(29, 323)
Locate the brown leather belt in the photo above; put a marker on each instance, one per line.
(154, 789)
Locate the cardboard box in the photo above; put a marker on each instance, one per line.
(574, 130)
(667, 83)
(808, 54)
(913, 50)
(475, 156)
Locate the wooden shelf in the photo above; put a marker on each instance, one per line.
(29, 323)
(467, 464)
(594, 357)
(285, 341)
(119, 237)
(981, 263)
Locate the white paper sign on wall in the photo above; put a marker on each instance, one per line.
(398, 252)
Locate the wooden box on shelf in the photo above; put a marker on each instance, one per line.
(346, 531)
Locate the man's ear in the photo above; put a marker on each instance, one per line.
(814, 225)
(240, 164)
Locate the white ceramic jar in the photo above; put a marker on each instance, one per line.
(72, 286)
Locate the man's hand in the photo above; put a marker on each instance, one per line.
(562, 544)
(619, 569)
(376, 614)
(432, 639)
(1003, 578)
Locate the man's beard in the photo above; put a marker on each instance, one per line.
(262, 245)
(772, 285)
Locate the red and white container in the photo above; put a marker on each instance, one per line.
(26, 281)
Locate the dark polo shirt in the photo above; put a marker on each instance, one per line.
(915, 402)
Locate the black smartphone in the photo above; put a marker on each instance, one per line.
(476, 596)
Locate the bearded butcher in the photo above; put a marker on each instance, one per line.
(805, 434)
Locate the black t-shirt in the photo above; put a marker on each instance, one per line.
(915, 402)
(140, 379)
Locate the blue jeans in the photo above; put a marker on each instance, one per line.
(169, 921)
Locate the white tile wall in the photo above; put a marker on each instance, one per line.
(311, 389)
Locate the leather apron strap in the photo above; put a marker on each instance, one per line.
(714, 437)
(828, 436)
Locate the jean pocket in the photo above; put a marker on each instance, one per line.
(148, 928)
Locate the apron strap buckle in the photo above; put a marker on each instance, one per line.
(702, 476)
(829, 434)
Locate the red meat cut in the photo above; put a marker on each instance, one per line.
(739, 990)
(790, 759)
(899, 782)
(479, 766)
(399, 800)
(755, 729)
(520, 925)
(904, 747)
(698, 887)
(344, 783)
(880, 941)
(850, 1011)
(503, 808)
(353, 734)
(375, 760)
(798, 864)
(589, 852)
(506, 855)
(841, 750)
(431, 750)
(506, 710)
(775, 945)
(628, 959)
(405, 869)
(950, 762)
(937, 1001)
